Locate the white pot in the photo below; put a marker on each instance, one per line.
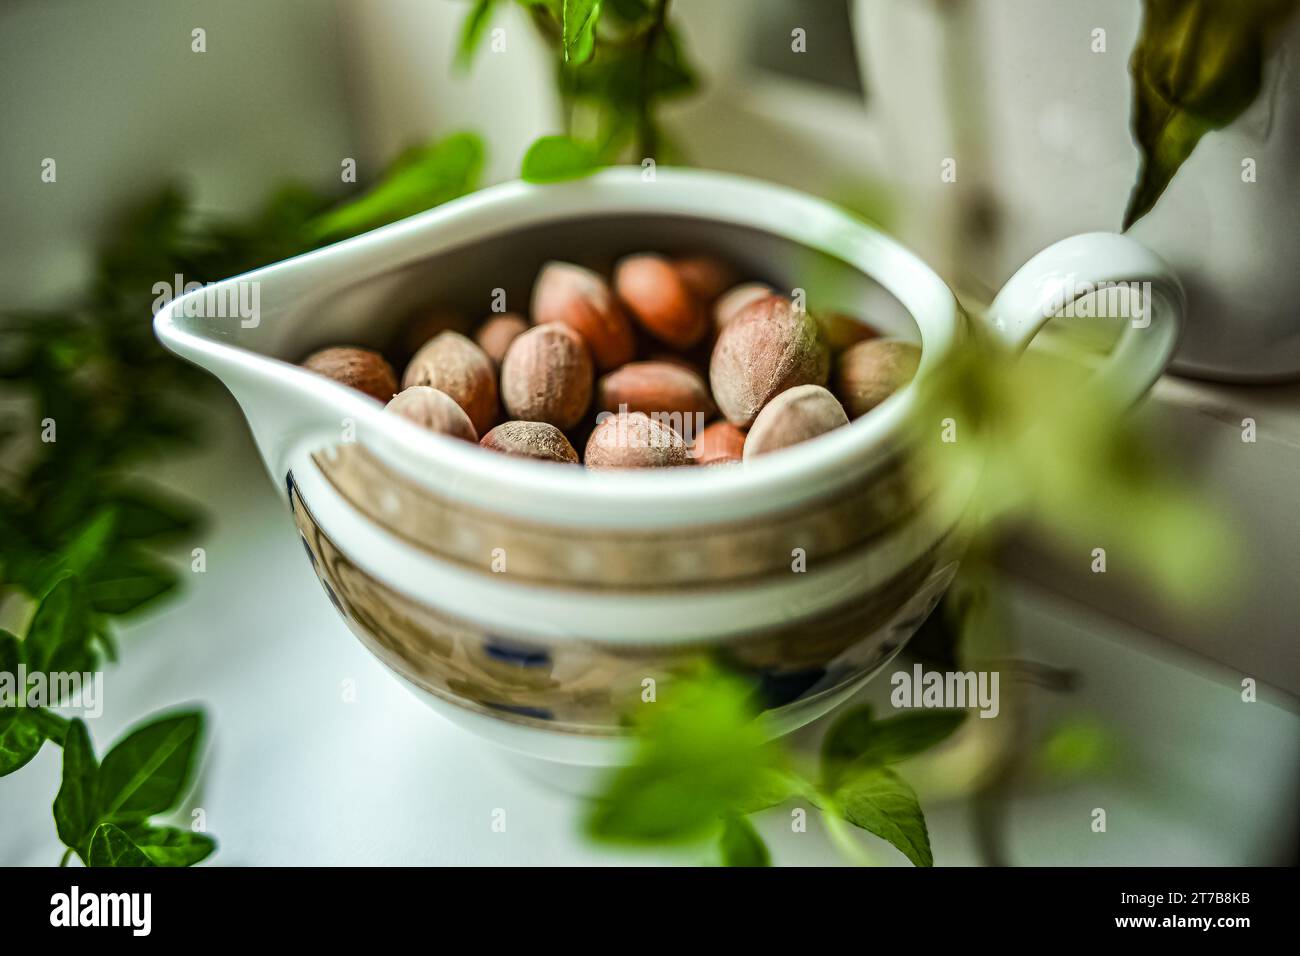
(1039, 126)
(612, 578)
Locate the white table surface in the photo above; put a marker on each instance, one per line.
(295, 775)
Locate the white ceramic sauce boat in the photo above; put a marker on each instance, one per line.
(612, 579)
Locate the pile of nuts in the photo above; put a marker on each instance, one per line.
(638, 351)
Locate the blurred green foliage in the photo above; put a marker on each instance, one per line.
(705, 760)
(98, 401)
(616, 63)
(1197, 66)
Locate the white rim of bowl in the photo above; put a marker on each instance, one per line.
(543, 491)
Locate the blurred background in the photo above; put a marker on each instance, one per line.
(1131, 704)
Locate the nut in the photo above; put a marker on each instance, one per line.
(530, 440)
(634, 440)
(660, 301)
(365, 370)
(871, 371)
(843, 331)
(455, 365)
(734, 302)
(654, 387)
(425, 325)
(707, 277)
(719, 444)
(794, 416)
(496, 333)
(580, 299)
(546, 376)
(768, 348)
(434, 410)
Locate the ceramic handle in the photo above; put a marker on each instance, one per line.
(1065, 272)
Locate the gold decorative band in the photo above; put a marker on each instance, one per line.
(701, 556)
(585, 686)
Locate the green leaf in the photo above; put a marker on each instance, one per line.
(172, 846)
(128, 581)
(147, 514)
(58, 638)
(856, 740)
(741, 845)
(20, 740)
(110, 846)
(553, 159)
(579, 29)
(420, 179)
(701, 754)
(1197, 66)
(75, 811)
(23, 730)
(148, 771)
(880, 801)
(471, 31)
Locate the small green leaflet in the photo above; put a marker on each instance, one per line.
(553, 159)
(420, 179)
(741, 845)
(1197, 66)
(147, 771)
(75, 810)
(471, 31)
(59, 636)
(857, 741)
(579, 29)
(701, 754)
(172, 846)
(879, 801)
(110, 846)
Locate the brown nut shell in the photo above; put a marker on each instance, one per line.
(720, 443)
(652, 387)
(453, 364)
(432, 409)
(770, 347)
(794, 416)
(531, 440)
(634, 440)
(661, 303)
(497, 332)
(868, 373)
(736, 299)
(546, 376)
(363, 369)
(580, 299)
(707, 277)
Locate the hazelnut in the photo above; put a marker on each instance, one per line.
(546, 376)
(652, 387)
(734, 302)
(496, 333)
(530, 440)
(659, 300)
(720, 443)
(707, 277)
(455, 365)
(634, 440)
(434, 410)
(842, 331)
(794, 416)
(363, 369)
(869, 372)
(768, 348)
(425, 325)
(580, 299)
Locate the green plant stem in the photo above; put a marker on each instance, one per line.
(67, 855)
(647, 131)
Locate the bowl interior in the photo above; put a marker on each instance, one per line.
(465, 279)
